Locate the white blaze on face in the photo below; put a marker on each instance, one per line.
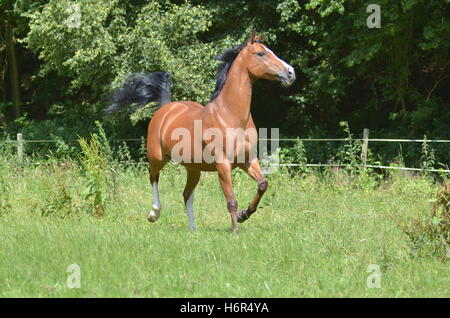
(286, 65)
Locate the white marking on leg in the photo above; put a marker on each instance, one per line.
(190, 212)
(153, 215)
(156, 195)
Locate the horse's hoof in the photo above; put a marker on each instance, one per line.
(242, 216)
(153, 215)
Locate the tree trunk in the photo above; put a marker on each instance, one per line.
(13, 68)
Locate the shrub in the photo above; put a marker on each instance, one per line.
(427, 158)
(295, 155)
(95, 168)
(349, 154)
(432, 231)
(60, 203)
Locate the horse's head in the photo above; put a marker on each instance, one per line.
(263, 63)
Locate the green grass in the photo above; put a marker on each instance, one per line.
(311, 237)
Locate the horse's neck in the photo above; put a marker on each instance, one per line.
(234, 100)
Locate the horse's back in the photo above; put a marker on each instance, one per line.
(176, 115)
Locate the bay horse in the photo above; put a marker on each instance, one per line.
(229, 108)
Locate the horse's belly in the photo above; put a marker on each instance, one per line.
(200, 166)
(204, 166)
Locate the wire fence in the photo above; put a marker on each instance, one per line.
(263, 139)
(366, 165)
(20, 141)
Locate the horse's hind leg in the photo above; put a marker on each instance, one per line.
(254, 171)
(154, 169)
(193, 177)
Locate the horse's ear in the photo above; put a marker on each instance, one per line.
(252, 37)
(259, 38)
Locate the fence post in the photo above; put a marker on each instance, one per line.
(19, 147)
(365, 146)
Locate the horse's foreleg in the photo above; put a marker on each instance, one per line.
(224, 170)
(193, 177)
(254, 171)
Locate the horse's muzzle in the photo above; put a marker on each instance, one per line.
(287, 77)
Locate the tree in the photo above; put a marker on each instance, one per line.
(8, 45)
(393, 79)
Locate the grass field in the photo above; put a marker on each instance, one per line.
(312, 237)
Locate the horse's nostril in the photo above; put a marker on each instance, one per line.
(290, 73)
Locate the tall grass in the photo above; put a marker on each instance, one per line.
(314, 235)
(317, 233)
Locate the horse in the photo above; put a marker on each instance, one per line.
(228, 110)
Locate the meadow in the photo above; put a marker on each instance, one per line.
(320, 234)
(75, 224)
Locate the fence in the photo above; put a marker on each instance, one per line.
(365, 146)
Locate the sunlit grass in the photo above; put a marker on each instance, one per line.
(311, 237)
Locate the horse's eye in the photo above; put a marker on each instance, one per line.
(261, 53)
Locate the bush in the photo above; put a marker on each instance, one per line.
(295, 155)
(94, 161)
(60, 203)
(432, 233)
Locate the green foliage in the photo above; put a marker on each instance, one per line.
(431, 234)
(5, 206)
(124, 154)
(72, 49)
(349, 154)
(295, 155)
(61, 131)
(427, 157)
(103, 143)
(8, 148)
(142, 152)
(143, 113)
(64, 150)
(59, 203)
(165, 37)
(428, 229)
(340, 54)
(159, 36)
(392, 80)
(95, 163)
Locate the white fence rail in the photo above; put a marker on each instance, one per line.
(365, 146)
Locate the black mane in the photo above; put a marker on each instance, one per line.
(227, 58)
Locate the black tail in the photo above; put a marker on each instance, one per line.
(140, 89)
